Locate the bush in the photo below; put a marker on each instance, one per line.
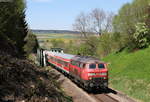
(57, 43)
(110, 42)
(104, 46)
(31, 45)
(142, 35)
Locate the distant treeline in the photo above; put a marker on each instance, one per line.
(54, 31)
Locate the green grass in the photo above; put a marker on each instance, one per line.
(130, 73)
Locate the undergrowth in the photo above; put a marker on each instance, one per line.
(23, 81)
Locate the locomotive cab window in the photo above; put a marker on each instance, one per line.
(101, 66)
(82, 65)
(92, 66)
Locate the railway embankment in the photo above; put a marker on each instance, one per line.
(129, 73)
(78, 94)
(71, 89)
(23, 81)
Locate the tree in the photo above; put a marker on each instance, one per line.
(82, 24)
(129, 15)
(32, 44)
(57, 43)
(91, 26)
(95, 22)
(127, 18)
(123, 22)
(101, 21)
(148, 16)
(12, 23)
(142, 35)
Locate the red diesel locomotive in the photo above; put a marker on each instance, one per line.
(86, 71)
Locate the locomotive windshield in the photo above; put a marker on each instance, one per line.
(101, 66)
(92, 66)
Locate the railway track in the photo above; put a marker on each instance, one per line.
(81, 95)
(103, 98)
(110, 95)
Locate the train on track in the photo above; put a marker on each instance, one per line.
(89, 72)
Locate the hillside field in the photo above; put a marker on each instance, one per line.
(56, 36)
(130, 73)
(45, 39)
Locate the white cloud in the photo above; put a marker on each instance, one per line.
(42, 0)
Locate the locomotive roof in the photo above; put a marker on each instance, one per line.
(86, 59)
(63, 55)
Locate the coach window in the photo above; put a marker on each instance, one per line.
(57, 60)
(84, 65)
(92, 66)
(72, 62)
(66, 64)
(78, 64)
(60, 61)
(81, 65)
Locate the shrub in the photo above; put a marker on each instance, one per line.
(32, 44)
(142, 35)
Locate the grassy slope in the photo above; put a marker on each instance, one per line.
(130, 73)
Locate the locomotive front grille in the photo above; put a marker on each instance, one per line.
(99, 82)
(98, 79)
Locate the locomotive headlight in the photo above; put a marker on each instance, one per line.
(91, 74)
(103, 73)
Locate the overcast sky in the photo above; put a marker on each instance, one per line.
(60, 14)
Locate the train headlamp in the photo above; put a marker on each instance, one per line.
(103, 73)
(91, 74)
